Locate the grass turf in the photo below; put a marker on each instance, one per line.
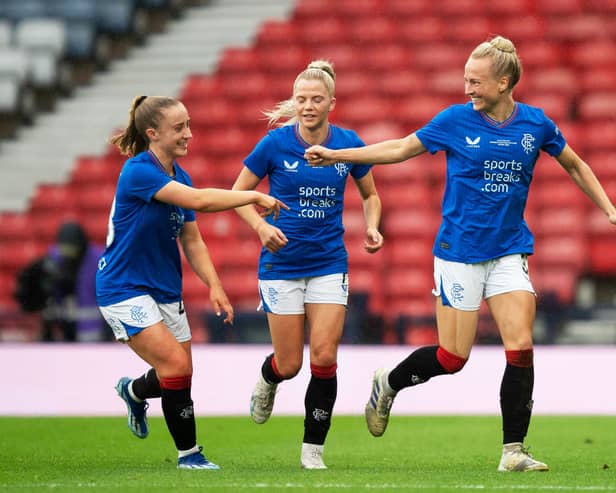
(418, 453)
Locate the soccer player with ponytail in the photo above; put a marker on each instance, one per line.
(139, 278)
(492, 145)
(303, 271)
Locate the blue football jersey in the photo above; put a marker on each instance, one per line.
(489, 170)
(315, 195)
(142, 254)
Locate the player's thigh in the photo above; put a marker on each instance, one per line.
(514, 314)
(158, 346)
(287, 333)
(456, 328)
(325, 325)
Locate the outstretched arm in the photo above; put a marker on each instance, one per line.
(584, 178)
(385, 152)
(216, 199)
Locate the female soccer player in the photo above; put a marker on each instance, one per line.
(139, 279)
(303, 264)
(492, 145)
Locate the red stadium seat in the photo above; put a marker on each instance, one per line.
(598, 79)
(54, 197)
(420, 35)
(355, 84)
(561, 221)
(351, 115)
(439, 55)
(412, 195)
(308, 10)
(16, 227)
(373, 30)
(328, 32)
(594, 53)
(549, 8)
(343, 56)
(448, 83)
(562, 251)
(598, 106)
(409, 282)
(386, 57)
(284, 61)
(93, 170)
(457, 9)
(407, 11)
(602, 258)
(416, 223)
(603, 164)
(560, 193)
(356, 9)
(242, 60)
(557, 80)
(274, 33)
(398, 84)
(200, 88)
(578, 27)
(242, 87)
(510, 8)
(367, 280)
(468, 28)
(212, 113)
(527, 29)
(376, 132)
(561, 281)
(408, 252)
(558, 107)
(602, 7)
(599, 136)
(414, 112)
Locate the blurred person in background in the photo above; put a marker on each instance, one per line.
(492, 145)
(61, 285)
(139, 278)
(303, 266)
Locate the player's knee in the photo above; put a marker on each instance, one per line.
(522, 358)
(323, 372)
(287, 369)
(451, 363)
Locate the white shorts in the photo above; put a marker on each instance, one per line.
(131, 316)
(463, 286)
(288, 296)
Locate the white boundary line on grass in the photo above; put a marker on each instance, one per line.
(384, 486)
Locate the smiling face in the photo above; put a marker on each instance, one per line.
(170, 140)
(313, 103)
(485, 90)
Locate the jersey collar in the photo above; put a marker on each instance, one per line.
(301, 140)
(504, 123)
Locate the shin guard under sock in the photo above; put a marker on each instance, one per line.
(516, 395)
(421, 365)
(319, 403)
(177, 408)
(269, 370)
(147, 385)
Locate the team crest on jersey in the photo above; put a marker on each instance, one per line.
(472, 142)
(341, 168)
(527, 143)
(291, 166)
(177, 222)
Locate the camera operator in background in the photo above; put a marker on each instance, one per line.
(61, 285)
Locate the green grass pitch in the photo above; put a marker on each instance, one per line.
(426, 454)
